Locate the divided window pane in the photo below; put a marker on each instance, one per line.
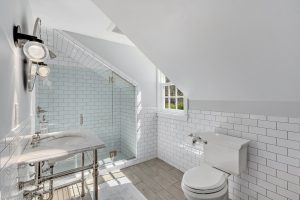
(180, 105)
(172, 90)
(179, 93)
(166, 91)
(167, 80)
(173, 103)
(173, 97)
(166, 103)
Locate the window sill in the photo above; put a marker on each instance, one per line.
(173, 115)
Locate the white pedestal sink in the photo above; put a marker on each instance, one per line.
(58, 146)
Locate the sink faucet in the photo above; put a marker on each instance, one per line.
(35, 139)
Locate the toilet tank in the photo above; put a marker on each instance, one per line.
(225, 152)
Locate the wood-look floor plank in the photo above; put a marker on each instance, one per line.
(161, 173)
(66, 193)
(55, 195)
(60, 194)
(144, 189)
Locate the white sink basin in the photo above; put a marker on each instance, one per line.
(58, 146)
(58, 141)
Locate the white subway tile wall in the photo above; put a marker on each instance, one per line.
(146, 130)
(11, 147)
(128, 121)
(74, 91)
(146, 136)
(273, 155)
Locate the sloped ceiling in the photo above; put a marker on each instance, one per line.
(80, 16)
(218, 49)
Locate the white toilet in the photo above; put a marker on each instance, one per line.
(223, 155)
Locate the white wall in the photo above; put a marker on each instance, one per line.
(12, 91)
(129, 60)
(218, 50)
(12, 12)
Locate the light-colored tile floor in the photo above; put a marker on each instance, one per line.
(155, 179)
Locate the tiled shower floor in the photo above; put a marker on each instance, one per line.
(155, 179)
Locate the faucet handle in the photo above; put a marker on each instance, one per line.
(36, 135)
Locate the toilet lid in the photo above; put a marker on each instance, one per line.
(204, 177)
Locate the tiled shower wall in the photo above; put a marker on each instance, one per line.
(273, 171)
(128, 121)
(73, 91)
(11, 147)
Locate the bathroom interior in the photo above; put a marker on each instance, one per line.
(158, 100)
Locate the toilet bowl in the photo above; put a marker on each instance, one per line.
(205, 183)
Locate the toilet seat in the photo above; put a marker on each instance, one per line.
(204, 180)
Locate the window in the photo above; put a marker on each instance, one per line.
(172, 97)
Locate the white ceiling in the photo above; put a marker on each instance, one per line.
(80, 16)
(218, 49)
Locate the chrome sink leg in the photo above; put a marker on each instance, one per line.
(82, 175)
(51, 189)
(37, 173)
(95, 174)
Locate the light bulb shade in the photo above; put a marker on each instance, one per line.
(35, 51)
(43, 70)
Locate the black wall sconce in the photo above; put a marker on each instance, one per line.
(33, 47)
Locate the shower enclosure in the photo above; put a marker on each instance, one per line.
(74, 97)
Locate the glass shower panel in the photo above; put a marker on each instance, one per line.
(121, 142)
(124, 112)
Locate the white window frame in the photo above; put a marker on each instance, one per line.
(161, 97)
(169, 97)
